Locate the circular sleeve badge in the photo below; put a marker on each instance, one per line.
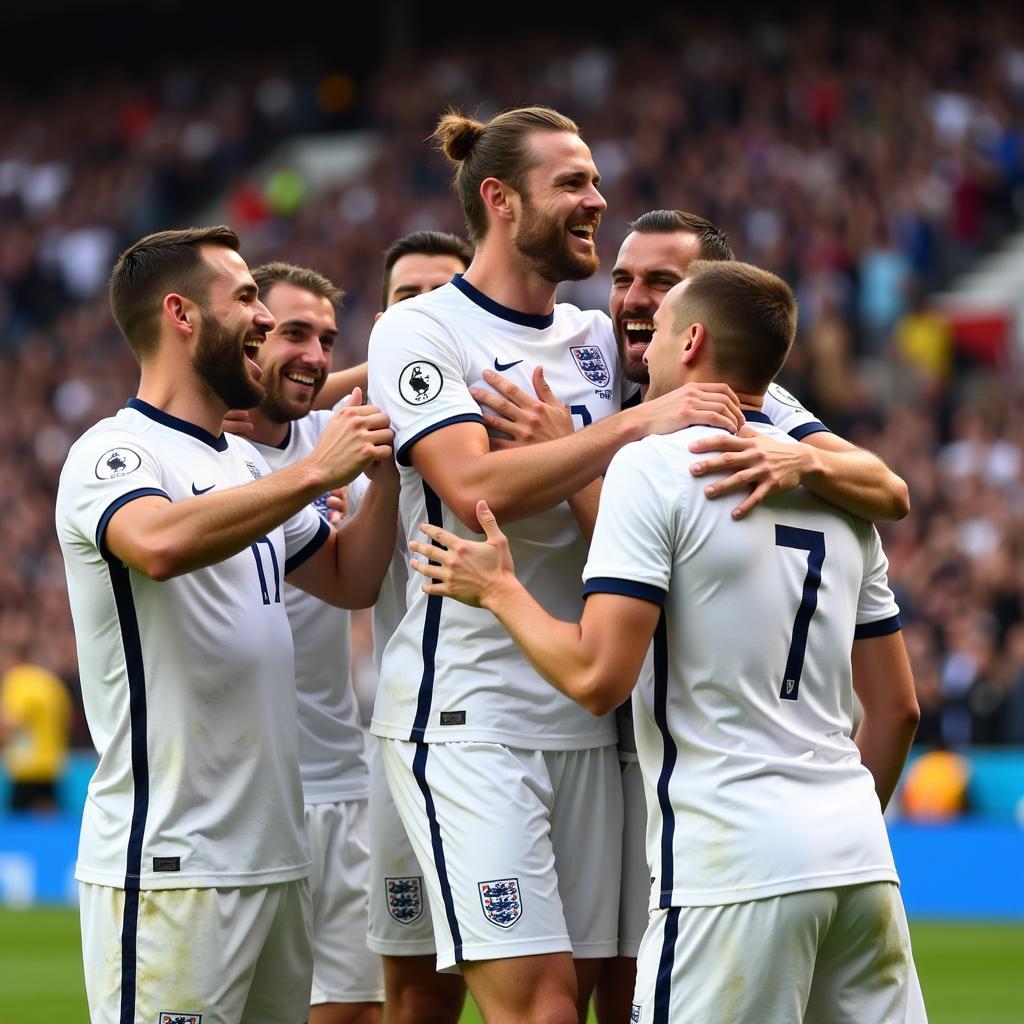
(783, 397)
(420, 382)
(117, 462)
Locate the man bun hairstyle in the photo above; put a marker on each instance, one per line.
(164, 262)
(424, 243)
(749, 315)
(300, 277)
(498, 148)
(714, 245)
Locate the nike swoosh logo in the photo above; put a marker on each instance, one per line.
(202, 490)
(501, 367)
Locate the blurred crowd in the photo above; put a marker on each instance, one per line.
(867, 164)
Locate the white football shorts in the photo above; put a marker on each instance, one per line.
(400, 921)
(344, 969)
(635, 896)
(514, 846)
(203, 956)
(826, 956)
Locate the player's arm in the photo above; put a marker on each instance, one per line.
(162, 538)
(339, 384)
(350, 567)
(594, 662)
(849, 477)
(458, 464)
(884, 684)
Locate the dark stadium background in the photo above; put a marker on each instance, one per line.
(873, 156)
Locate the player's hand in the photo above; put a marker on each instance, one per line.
(709, 405)
(237, 421)
(466, 569)
(355, 436)
(521, 417)
(337, 503)
(384, 473)
(752, 460)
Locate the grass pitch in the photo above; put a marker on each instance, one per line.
(970, 973)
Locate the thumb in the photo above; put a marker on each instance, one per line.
(356, 398)
(746, 431)
(541, 387)
(487, 521)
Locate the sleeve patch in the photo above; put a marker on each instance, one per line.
(420, 382)
(117, 462)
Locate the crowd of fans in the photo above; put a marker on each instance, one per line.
(868, 165)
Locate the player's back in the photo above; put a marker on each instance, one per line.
(744, 732)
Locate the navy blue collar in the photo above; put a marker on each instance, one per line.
(220, 444)
(497, 309)
(283, 446)
(756, 416)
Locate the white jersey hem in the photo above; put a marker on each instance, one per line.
(723, 897)
(174, 880)
(527, 741)
(336, 796)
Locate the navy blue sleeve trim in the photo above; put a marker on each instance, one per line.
(882, 628)
(806, 429)
(627, 588)
(119, 503)
(466, 417)
(309, 549)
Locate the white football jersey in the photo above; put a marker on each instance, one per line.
(451, 672)
(330, 736)
(754, 785)
(188, 684)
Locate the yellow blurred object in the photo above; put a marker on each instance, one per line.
(936, 786)
(36, 710)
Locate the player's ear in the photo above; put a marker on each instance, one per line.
(182, 313)
(500, 199)
(693, 340)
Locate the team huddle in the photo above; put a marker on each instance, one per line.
(613, 750)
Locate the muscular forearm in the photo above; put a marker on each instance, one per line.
(857, 481)
(339, 384)
(165, 539)
(884, 743)
(584, 505)
(366, 543)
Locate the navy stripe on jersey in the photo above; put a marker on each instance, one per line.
(129, 955)
(118, 503)
(754, 416)
(806, 429)
(668, 761)
(131, 642)
(627, 588)
(431, 630)
(663, 984)
(311, 547)
(466, 417)
(419, 770)
(220, 444)
(497, 309)
(881, 628)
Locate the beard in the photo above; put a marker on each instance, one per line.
(277, 407)
(631, 366)
(220, 361)
(544, 242)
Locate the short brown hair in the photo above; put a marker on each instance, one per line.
(167, 261)
(749, 315)
(270, 274)
(423, 243)
(497, 149)
(713, 243)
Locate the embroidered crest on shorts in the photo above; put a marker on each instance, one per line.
(591, 364)
(501, 902)
(420, 382)
(405, 898)
(176, 1017)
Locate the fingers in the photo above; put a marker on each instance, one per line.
(505, 387)
(752, 500)
(435, 554)
(720, 443)
(438, 533)
(500, 405)
(737, 482)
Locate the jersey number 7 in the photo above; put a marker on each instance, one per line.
(813, 542)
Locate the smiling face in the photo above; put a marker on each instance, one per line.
(233, 319)
(295, 357)
(648, 265)
(560, 209)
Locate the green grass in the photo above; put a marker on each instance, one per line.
(971, 973)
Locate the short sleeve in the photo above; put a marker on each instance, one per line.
(877, 611)
(787, 414)
(418, 377)
(632, 550)
(105, 471)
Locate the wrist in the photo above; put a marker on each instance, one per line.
(811, 464)
(500, 592)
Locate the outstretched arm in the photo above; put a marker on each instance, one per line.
(339, 384)
(594, 662)
(849, 477)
